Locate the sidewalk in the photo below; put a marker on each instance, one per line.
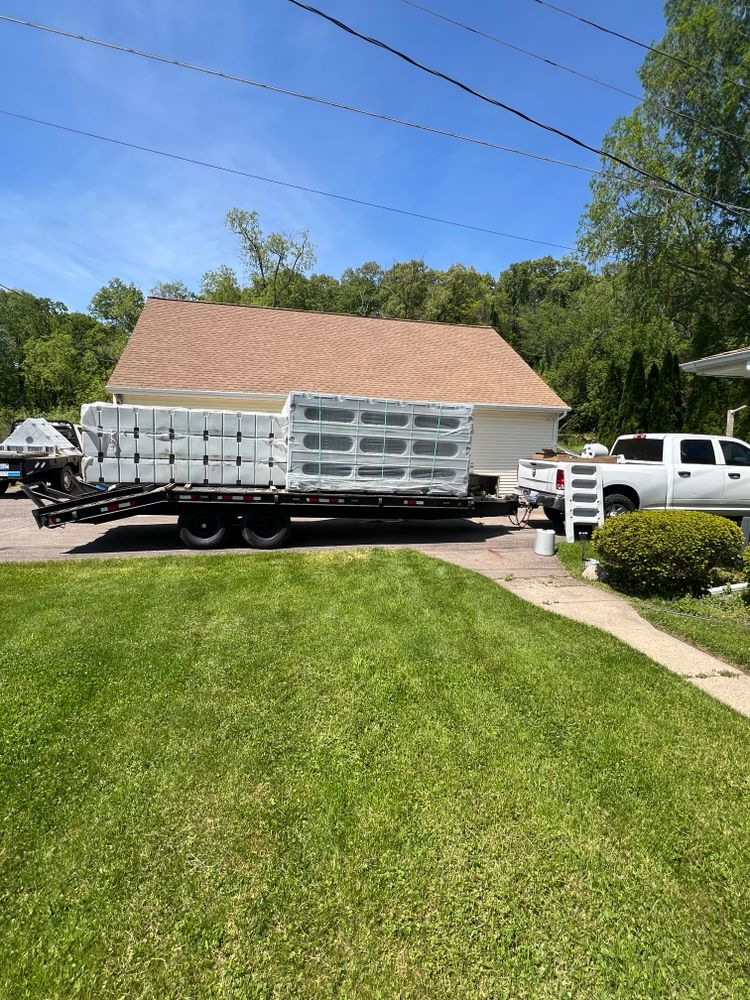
(543, 581)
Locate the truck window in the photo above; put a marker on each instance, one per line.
(67, 432)
(640, 449)
(735, 453)
(695, 451)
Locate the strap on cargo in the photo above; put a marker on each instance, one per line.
(385, 433)
(320, 441)
(435, 444)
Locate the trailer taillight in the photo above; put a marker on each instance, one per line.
(560, 479)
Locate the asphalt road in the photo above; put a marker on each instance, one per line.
(22, 541)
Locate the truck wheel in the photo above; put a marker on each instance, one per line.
(616, 504)
(267, 531)
(202, 530)
(3, 487)
(554, 516)
(66, 479)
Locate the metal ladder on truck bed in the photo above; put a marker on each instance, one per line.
(584, 502)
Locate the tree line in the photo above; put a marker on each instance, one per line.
(659, 276)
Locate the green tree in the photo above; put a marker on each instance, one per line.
(653, 407)
(360, 289)
(118, 305)
(172, 290)
(459, 295)
(633, 413)
(404, 290)
(273, 261)
(608, 405)
(687, 259)
(221, 285)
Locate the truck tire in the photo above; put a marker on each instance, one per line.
(616, 504)
(4, 487)
(202, 530)
(65, 480)
(267, 531)
(554, 516)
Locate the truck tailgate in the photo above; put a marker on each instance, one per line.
(537, 475)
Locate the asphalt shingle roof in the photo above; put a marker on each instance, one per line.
(208, 347)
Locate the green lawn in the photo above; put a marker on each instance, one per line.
(719, 625)
(354, 776)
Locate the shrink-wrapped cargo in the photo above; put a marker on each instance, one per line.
(150, 444)
(357, 444)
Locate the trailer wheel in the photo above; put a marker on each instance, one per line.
(267, 531)
(3, 488)
(202, 530)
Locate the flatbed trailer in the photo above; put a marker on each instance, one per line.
(207, 514)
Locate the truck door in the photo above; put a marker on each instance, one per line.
(698, 482)
(736, 477)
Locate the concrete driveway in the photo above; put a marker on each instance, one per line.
(471, 542)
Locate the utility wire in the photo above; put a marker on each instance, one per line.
(279, 183)
(181, 64)
(634, 41)
(293, 93)
(575, 72)
(672, 185)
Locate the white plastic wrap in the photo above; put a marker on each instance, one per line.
(356, 444)
(148, 444)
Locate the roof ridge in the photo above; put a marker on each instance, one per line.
(323, 312)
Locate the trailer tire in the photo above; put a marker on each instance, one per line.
(202, 530)
(267, 531)
(554, 516)
(616, 504)
(3, 488)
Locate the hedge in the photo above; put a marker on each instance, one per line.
(667, 552)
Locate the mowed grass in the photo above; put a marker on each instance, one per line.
(354, 775)
(720, 625)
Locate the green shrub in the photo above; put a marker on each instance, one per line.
(746, 561)
(667, 552)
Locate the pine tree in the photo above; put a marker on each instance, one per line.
(654, 408)
(632, 414)
(676, 394)
(609, 405)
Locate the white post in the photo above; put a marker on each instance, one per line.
(730, 419)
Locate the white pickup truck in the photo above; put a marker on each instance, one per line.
(652, 471)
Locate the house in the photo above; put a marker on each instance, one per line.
(208, 355)
(731, 364)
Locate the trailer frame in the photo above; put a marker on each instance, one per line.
(255, 511)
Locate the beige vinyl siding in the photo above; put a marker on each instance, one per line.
(199, 401)
(503, 436)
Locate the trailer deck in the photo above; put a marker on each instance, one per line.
(205, 514)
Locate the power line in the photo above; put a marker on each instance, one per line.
(285, 184)
(180, 64)
(406, 123)
(575, 72)
(673, 185)
(634, 41)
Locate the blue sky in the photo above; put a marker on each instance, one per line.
(74, 212)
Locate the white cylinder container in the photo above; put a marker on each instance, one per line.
(544, 542)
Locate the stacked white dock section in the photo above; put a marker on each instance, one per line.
(584, 501)
(149, 444)
(354, 444)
